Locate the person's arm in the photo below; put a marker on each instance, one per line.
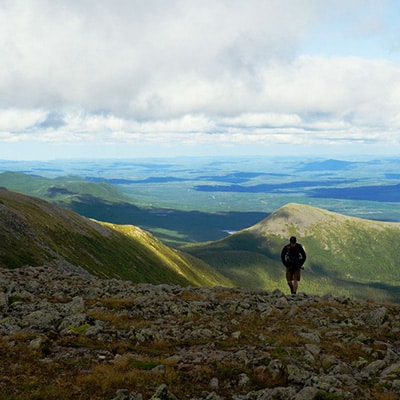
(283, 253)
(303, 255)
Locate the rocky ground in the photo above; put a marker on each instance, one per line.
(67, 335)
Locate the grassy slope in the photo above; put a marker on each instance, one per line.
(346, 255)
(34, 232)
(63, 189)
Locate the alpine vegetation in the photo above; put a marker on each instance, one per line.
(68, 335)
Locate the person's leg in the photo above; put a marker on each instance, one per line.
(289, 278)
(296, 280)
(295, 285)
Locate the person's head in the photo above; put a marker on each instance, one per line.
(293, 241)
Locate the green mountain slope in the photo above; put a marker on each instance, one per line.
(36, 232)
(346, 255)
(62, 190)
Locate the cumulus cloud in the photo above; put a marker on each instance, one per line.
(17, 120)
(223, 71)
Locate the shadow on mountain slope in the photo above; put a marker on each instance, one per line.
(190, 226)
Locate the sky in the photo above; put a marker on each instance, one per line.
(164, 78)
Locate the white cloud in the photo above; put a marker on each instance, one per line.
(263, 119)
(123, 56)
(189, 71)
(16, 120)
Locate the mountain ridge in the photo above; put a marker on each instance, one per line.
(36, 232)
(347, 255)
(62, 190)
(303, 217)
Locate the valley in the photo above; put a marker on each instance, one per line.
(189, 200)
(224, 217)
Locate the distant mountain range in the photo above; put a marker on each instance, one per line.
(346, 255)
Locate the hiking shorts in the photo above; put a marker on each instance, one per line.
(293, 274)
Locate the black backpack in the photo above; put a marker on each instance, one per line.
(293, 256)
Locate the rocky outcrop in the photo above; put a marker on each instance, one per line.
(171, 342)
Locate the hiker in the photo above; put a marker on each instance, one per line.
(293, 257)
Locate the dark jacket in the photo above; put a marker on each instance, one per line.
(293, 257)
